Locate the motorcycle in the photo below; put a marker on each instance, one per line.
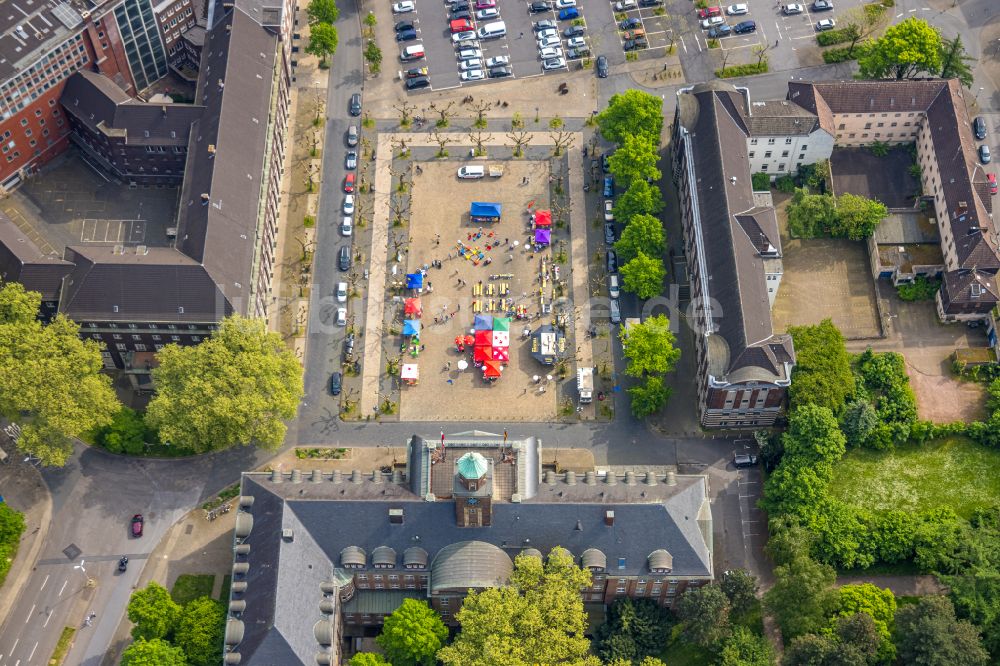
(123, 563)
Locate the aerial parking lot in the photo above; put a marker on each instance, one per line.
(643, 25)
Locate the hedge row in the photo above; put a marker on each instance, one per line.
(742, 70)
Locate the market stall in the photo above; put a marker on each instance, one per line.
(410, 374)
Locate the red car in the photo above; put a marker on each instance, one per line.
(991, 178)
(461, 25)
(711, 11)
(349, 183)
(137, 523)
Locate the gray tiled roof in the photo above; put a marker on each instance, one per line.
(780, 118)
(22, 261)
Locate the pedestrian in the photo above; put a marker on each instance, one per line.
(450, 381)
(521, 36)
(435, 320)
(449, 365)
(459, 306)
(776, 43)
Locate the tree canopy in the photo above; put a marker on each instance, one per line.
(153, 612)
(705, 613)
(50, 380)
(857, 217)
(640, 198)
(632, 113)
(822, 373)
(955, 61)
(650, 347)
(649, 397)
(906, 50)
(741, 589)
(745, 648)
(322, 41)
(810, 215)
(634, 629)
(412, 634)
(536, 619)
(635, 159)
(155, 652)
(200, 631)
(643, 233)
(643, 275)
(368, 659)
(928, 633)
(802, 597)
(237, 387)
(322, 11)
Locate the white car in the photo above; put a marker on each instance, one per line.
(609, 207)
(469, 54)
(737, 10)
(563, 4)
(349, 204)
(466, 36)
(550, 52)
(548, 41)
(404, 7)
(473, 75)
(553, 63)
(497, 61)
(474, 63)
(712, 21)
(347, 226)
(547, 32)
(488, 13)
(341, 316)
(825, 24)
(792, 8)
(341, 292)
(576, 43)
(625, 5)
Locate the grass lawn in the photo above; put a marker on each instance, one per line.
(954, 472)
(192, 586)
(227, 582)
(62, 647)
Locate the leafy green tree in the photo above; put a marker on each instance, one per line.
(929, 634)
(650, 347)
(153, 612)
(810, 215)
(200, 631)
(811, 650)
(705, 614)
(237, 387)
(127, 433)
(955, 61)
(11, 528)
(640, 198)
(536, 619)
(368, 659)
(649, 397)
(859, 641)
(373, 56)
(857, 217)
(906, 50)
(803, 596)
(635, 159)
(370, 19)
(643, 275)
(859, 421)
(413, 634)
(322, 41)
(643, 233)
(155, 652)
(740, 587)
(813, 437)
(632, 113)
(868, 600)
(745, 648)
(797, 490)
(822, 373)
(634, 629)
(50, 380)
(322, 11)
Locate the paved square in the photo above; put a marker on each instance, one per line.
(440, 210)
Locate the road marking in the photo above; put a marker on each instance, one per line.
(899, 14)
(65, 583)
(30, 613)
(683, 45)
(33, 651)
(910, 11)
(43, 583)
(14, 646)
(47, 618)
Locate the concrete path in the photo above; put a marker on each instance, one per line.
(579, 255)
(901, 586)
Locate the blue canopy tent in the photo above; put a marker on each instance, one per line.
(414, 280)
(481, 211)
(411, 327)
(483, 322)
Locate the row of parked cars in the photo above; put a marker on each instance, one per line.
(713, 19)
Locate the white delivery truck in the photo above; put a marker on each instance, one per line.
(585, 384)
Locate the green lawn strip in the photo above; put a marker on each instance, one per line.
(192, 586)
(953, 471)
(227, 582)
(62, 647)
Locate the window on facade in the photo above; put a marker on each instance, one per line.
(121, 346)
(788, 141)
(767, 153)
(770, 142)
(784, 153)
(140, 347)
(136, 337)
(763, 167)
(753, 142)
(751, 154)
(175, 338)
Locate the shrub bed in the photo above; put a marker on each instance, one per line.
(742, 70)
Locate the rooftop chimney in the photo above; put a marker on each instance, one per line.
(570, 478)
(396, 516)
(609, 517)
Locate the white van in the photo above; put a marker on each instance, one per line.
(493, 30)
(414, 52)
(616, 313)
(472, 171)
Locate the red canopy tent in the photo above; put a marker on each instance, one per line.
(491, 369)
(482, 353)
(501, 353)
(543, 218)
(484, 338)
(469, 340)
(411, 306)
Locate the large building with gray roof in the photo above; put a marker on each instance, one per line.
(320, 556)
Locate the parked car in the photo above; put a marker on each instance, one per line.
(576, 43)
(347, 225)
(485, 4)
(461, 25)
(576, 54)
(341, 292)
(351, 160)
(469, 54)
(633, 44)
(609, 233)
(405, 25)
(984, 154)
(341, 316)
(349, 347)
(609, 186)
(554, 63)
(462, 13)
(349, 183)
(650, 3)
(612, 261)
(709, 11)
(745, 27)
(979, 127)
(548, 41)
(637, 34)
(496, 61)
(499, 72)
(404, 7)
(348, 207)
(488, 13)
(625, 5)
(738, 9)
(344, 259)
(352, 135)
(792, 9)
(563, 4)
(466, 65)
(574, 30)
(991, 178)
(137, 525)
(822, 5)
(336, 383)
(609, 210)
(415, 72)
(546, 33)
(355, 106)
(605, 163)
(462, 37)
(630, 23)
(473, 75)
(568, 14)
(720, 31)
(406, 35)
(537, 7)
(825, 24)
(744, 460)
(602, 67)
(417, 82)
(712, 21)
(550, 52)
(544, 24)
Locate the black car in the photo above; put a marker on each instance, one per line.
(745, 27)
(605, 164)
(633, 44)
(602, 67)
(574, 30)
(630, 23)
(650, 3)
(537, 7)
(336, 383)
(612, 261)
(417, 82)
(123, 563)
(744, 460)
(355, 107)
(406, 35)
(457, 6)
(499, 72)
(461, 13)
(720, 31)
(609, 233)
(344, 259)
(822, 6)
(979, 127)
(404, 25)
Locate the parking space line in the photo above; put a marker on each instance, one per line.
(683, 45)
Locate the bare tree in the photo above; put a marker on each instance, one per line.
(442, 141)
(520, 139)
(400, 242)
(725, 59)
(405, 113)
(562, 141)
(478, 139)
(760, 50)
(481, 107)
(445, 113)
